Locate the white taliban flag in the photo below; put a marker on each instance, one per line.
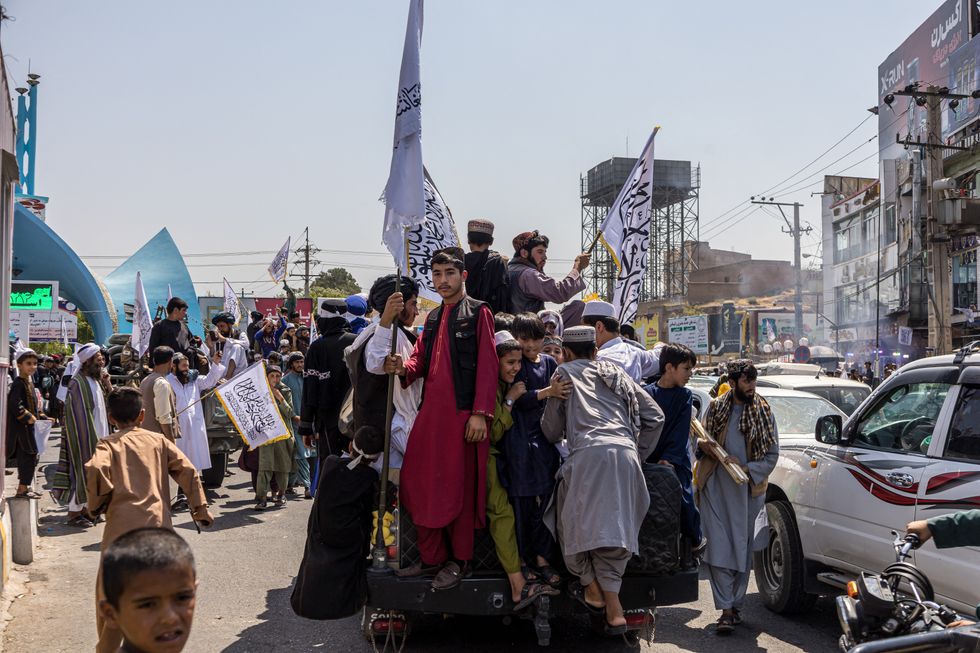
(404, 196)
(413, 249)
(247, 399)
(232, 304)
(626, 233)
(277, 269)
(142, 323)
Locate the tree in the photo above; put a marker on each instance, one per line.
(335, 282)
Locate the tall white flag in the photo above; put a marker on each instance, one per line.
(414, 249)
(170, 293)
(626, 233)
(277, 269)
(404, 195)
(247, 400)
(64, 331)
(142, 323)
(232, 304)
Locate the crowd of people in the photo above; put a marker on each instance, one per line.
(506, 416)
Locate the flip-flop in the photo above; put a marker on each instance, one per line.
(30, 494)
(530, 575)
(549, 575)
(577, 592)
(725, 626)
(736, 616)
(529, 595)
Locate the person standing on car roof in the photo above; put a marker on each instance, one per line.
(610, 425)
(172, 331)
(443, 477)
(742, 422)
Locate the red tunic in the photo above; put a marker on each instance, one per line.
(439, 464)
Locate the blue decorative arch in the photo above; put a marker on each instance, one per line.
(40, 253)
(161, 265)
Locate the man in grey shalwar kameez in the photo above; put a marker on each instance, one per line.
(733, 517)
(610, 425)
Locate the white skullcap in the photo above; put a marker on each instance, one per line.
(502, 336)
(580, 333)
(87, 351)
(598, 309)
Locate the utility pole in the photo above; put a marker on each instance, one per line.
(795, 231)
(937, 267)
(307, 251)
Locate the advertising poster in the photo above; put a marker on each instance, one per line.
(691, 331)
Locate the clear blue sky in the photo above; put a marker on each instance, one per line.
(237, 124)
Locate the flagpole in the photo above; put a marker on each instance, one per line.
(379, 555)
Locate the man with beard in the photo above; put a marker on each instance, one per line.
(396, 298)
(443, 478)
(742, 422)
(193, 439)
(530, 287)
(86, 423)
(326, 381)
(231, 342)
(486, 270)
(268, 339)
(159, 401)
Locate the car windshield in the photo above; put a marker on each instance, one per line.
(799, 414)
(845, 398)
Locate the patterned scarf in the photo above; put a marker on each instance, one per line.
(617, 380)
(755, 423)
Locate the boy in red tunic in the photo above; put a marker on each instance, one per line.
(443, 477)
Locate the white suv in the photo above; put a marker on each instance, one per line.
(910, 451)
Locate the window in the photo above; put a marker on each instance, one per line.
(889, 228)
(847, 239)
(903, 419)
(965, 279)
(964, 434)
(870, 231)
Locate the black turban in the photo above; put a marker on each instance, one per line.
(384, 287)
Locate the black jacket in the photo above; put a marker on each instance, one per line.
(463, 352)
(325, 379)
(487, 280)
(170, 333)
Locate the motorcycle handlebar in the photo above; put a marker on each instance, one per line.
(907, 643)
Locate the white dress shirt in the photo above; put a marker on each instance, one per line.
(638, 363)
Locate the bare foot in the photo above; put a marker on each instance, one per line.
(614, 609)
(594, 595)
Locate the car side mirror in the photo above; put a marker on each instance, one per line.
(829, 429)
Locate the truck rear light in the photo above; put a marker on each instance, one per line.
(382, 625)
(637, 619)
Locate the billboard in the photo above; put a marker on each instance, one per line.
(779, 327)
(269, 306)
(44, 326)
(647, 330)
(691, 331)
(725, 331)
(924, 57)
(33, 295)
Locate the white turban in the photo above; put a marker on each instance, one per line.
(87, 351)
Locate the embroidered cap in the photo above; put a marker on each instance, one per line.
(501, 337)
(585, 334)
(598, 309)
(480, 226)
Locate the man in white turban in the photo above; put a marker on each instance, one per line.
(86, 423)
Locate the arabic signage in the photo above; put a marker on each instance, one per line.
(691, 331)
(269, 306)
(924, 57)
(44, 326)
(33, 295)
(647, 330)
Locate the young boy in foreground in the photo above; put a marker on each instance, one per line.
(149, 583)
(674, 448)
(127, 478)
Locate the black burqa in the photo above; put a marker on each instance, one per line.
(331, 583)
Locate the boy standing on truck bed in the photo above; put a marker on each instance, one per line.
(674, 449)
(443, 477)
(611, 424)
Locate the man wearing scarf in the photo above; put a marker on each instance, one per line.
(86, 422)
(530, 287)
(732, 515)
(486, 270)
(326, 380)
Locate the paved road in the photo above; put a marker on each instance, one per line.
(246, 565)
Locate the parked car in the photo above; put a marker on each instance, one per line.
(843, 393)
(910, 451)
(796, 411)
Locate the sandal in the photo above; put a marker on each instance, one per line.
(549, 576)
(80, 522)
(725, 625)
(577, 592)
(450, 576)
(614, 631)
(530, 575)
(736, 616)
(531, 592)
(29, 494)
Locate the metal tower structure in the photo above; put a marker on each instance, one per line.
(674, 227)
(27, 133)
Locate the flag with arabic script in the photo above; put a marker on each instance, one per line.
(277, 269)
(414, 249)
(232, 305)
(626, 234)
(142, 323)
(248, 401)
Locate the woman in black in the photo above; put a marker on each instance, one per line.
(22, 412)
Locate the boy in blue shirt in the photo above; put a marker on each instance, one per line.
(677, 363)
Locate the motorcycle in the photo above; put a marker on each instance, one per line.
(896, 611)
